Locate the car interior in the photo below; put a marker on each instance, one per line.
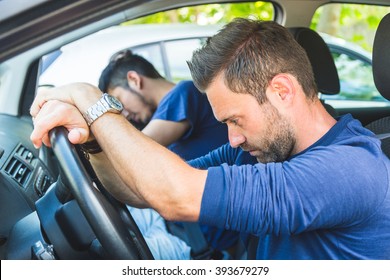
(324, 68)
(381, 60)
(52, 206)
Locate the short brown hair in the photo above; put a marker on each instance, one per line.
(250, 53)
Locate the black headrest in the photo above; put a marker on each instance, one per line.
(325, 71)
(381, 57)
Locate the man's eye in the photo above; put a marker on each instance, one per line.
(234, 121)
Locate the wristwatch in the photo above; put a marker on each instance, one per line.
(107, 103)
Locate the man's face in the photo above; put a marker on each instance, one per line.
(259, 129)
(134, 106)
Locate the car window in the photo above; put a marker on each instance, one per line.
(153, 54)
(169, 57)
(352, 53)
(356, 79)
(166, 39)
(178, 52)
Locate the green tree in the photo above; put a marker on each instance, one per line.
(210, 14)
(354, 23)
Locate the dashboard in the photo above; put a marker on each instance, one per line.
(40, 217)
(24, 174)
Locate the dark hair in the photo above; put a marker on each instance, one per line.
(250, 53)
(115, 73)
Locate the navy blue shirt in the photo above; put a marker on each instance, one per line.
(331, 201)
(185, 102)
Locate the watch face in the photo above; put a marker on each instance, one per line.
(115, 103)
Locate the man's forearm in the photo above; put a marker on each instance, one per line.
(158, 177)
(112, 181)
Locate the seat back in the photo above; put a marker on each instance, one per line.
(381, 57)
(381, 72)
(322, 62)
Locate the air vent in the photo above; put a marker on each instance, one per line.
(25, 153)
(19, 167)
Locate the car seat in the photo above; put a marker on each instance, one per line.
(322, 62)
(381, 72)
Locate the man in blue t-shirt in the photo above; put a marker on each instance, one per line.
(320, 188)
(176, 116)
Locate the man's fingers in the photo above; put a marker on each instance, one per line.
(46, 140)
(45, 94)
(53, 114)
(78, 135)
(43, 123)
(38, 103)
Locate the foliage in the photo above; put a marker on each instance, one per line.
(355, 23)
(211, 14)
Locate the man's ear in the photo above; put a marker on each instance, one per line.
(134, 80)
(283, 86)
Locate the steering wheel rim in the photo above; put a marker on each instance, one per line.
(119, 239)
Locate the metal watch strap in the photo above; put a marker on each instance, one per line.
(106, 103)
(95, 111)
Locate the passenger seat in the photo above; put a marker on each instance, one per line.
(324, 68)
(381, 72)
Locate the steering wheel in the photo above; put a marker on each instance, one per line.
(109, 219)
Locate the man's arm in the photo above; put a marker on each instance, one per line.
(224, 154)
(113, 182)
(157, 177)
(166, 132)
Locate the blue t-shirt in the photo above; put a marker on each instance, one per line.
(185, 102)
(331, 201)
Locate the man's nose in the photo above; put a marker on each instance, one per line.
(236, 139)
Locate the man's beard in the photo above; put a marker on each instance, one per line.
(279, 150)
(278, 141)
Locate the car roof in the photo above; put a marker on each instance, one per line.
(11, 8)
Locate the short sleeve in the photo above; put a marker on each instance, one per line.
(183, 102)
